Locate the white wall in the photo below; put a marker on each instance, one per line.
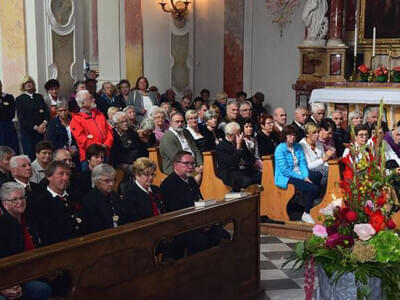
(271, 62)
(156, 45)
(208, 46)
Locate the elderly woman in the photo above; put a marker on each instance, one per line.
(110, 114)
(141, 98)
(209, 130)
(16, 237)
(355, 118)
(102, 207)
(89, 126)
(146, 135)
(131, 115)
(59, 130)
(144, 197)
(109, 97)
(291, 167)
(52, 87)
(266, 137)
(247, 128)
(191, 117)
(160, 122)
(72, 104)
(327, 128)
(33, 115)
(124, 89)
(315, 154)
(127, 147)
(220, 101)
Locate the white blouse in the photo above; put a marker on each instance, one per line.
(314, 157)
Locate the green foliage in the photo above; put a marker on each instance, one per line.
(387, 246)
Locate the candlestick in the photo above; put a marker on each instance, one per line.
(355, 40)
(373, 41)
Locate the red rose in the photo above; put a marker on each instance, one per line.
(390, 224)
(381, 200)
(367, 210)
(351, 216)
(377, 220)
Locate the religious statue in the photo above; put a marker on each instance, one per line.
(314, 18)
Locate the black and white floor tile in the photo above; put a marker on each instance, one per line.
(279, 283)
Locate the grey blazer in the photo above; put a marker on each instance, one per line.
(136, 99)
(170, 146)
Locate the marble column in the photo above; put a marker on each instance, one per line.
(336, 23)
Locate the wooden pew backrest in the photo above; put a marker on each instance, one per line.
(154, 155)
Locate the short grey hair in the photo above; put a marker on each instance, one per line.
(128, 107)
(100, 171)
(14, 160)
(335, 112)
(232, 101)
(9, 187)
(209, 114)
(190, 112)
(371, 109)
(158, 110)
(231, 128)
(147, 124)
(354, 114)
(118, 115)
(80, 96)
(4, 150)
(61, 104)
(300, 108)
(246, 103)
(317, 106)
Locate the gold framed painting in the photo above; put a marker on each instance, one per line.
(385, 16)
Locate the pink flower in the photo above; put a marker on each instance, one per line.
(364, 231)
(320, 231)
(370, 204)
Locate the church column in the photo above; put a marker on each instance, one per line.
(336, 23)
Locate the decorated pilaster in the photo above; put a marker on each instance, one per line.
(336, 23)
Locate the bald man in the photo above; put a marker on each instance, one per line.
(280, 118)
(300, 116)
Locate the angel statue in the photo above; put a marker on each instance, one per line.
(314, 18)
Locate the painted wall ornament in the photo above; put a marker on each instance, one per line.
(282, 11)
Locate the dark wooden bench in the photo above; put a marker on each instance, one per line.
(120, 263)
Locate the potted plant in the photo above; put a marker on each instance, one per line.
(357, 249)
(363, 72)
(396, 74)
(381, 74)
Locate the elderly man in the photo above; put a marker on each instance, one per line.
(300, 116)
(246, 110)
(317, 113)
(127, 146)
(176, 139)
(341, 137)
(179, 190)
(103, 208)
(5, 155)
(232, 113)
(235, 162)
(60, 210)
(280, 118)
(371, 118)
(16, 237)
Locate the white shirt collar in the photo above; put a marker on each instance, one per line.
(24, 184)
(175, 132)
(54, 194)
(30, 95)
(298, 124)
(142, 188)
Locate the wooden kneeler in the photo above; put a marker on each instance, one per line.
(332, 187)
(211, 186)
(154, 155)
(274, 200)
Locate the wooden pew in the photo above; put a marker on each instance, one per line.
(332, 187)
(154, 155)
(119, 263)
(274, 200)
(211, 186)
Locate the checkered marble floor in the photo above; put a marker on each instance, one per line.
(279, 284)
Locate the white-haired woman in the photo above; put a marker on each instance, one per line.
(89, 126)
(102, 207)
(192, 117)
(161, 125)
(213, 136)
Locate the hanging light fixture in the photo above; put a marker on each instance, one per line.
(178, 9)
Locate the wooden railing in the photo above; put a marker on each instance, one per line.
(120, 263)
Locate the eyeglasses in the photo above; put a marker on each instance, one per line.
(188, 163)
(107, 181)
(363, 135)
(14, 200)
(148, 175)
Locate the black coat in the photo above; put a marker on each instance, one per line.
(229, 159)
(11, 235)
(300, 133)
(7, 107)
(4, 178)
(267, 143)
(59, 219)
(31, 112)
(85, 182)
(99, 209)
(209, 139)
(57, 134)
(140, 203)
(126, 149)
(177, 194)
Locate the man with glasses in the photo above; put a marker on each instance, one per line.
(16, 237)
(179, 190)
(246, 110)
(177, 139)
(318, 113)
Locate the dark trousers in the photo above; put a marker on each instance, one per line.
(310, 189)
(29, 142)
(8, 135)
(244, 178)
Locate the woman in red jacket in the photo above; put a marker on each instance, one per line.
(89, 126)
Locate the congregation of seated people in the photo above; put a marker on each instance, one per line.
(64, 184)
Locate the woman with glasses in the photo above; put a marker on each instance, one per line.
(161, 123)
(102, 207)
(291, 167)
(191, 117)
(267, 138)
(143, 197)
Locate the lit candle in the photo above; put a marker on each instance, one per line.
(373, 41)
(355, 40)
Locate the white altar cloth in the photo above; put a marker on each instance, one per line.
(356, 95)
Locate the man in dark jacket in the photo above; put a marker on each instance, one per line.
(234, 161)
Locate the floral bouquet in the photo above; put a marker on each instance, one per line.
(381, 74)
(363, 69)
(396, 71)
(358, 235)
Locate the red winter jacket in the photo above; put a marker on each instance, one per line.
(89, 130)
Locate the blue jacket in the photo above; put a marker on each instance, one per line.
(284, 164)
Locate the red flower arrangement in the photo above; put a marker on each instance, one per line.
(381, 71)
(363, 69)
